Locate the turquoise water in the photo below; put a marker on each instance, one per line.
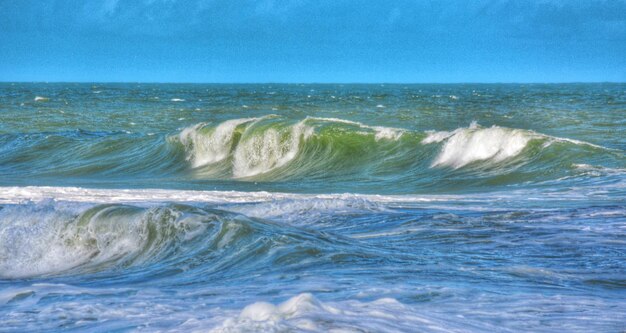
(172, 207)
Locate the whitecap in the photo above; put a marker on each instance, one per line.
(304, 312)
(51, 238)
(259, 153)
(495, 144)
(468, 145)
(207, 146)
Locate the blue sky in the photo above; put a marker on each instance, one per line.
(313, 41)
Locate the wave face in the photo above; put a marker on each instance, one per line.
(275, 153)
(312, 208)
(45, 240)
(273, 149)
(55, 239)
(255, 148)
(470, 145)
(214, 145)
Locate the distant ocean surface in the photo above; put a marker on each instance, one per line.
(279, 208)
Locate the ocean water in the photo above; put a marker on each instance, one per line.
(279, 208)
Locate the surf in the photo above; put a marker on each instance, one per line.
(316, 152)
(48, 239)
(274, 149)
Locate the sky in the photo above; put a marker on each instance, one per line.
(231, 41)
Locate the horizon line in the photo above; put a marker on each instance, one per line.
(318, 83)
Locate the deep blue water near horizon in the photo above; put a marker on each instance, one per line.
(312, 207)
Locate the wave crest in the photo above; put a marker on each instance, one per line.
(468, 145)
(206, 145)
(272, 148)
(320, 153)
(262, 152)
(52, 238)
(249, 147)
(44, 239)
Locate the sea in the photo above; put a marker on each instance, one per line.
(312, 207)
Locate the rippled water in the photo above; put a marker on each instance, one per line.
(154, 207)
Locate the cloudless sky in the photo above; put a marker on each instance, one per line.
(313, 41)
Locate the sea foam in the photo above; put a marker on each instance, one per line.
(49, 238)
(262, 152)
(306, 313)
(468, 145)
(207, 148)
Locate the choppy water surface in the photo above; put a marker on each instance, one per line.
(224, 208)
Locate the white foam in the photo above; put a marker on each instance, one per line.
(27, 242)
(19, 195)
(207, 148)
(304, 312)
(387, 133)
(48, 238)
(304, 211)
(259, 153)
(494, 144)
(177, 100)
(41, 99)
(467, 145)
(26, 194)
(107, 308)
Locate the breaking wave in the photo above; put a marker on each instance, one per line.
(251, 147)
(271, 148)
(313, 151)
(493, 144)
(53, 238)
(469, 145)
